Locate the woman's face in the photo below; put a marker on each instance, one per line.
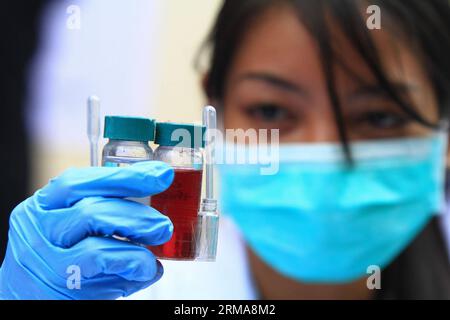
(276, 81)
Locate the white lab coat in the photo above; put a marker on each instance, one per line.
(228, 277)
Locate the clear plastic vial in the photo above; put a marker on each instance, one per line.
(179, 146)
(128, 144)
(128, 140)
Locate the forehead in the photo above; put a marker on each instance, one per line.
(278, 42)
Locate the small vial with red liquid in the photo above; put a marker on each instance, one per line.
(180, 146)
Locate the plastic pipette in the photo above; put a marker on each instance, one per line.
(93, 128)
(210, 122)
(208, 217)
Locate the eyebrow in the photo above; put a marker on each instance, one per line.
(275, 81)
(377, 91)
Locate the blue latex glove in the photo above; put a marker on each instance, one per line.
(63, 226)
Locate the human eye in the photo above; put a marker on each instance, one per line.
(384, 120)
(268, 112)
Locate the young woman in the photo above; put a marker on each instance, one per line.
(363, 114)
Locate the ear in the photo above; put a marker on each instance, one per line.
(204, 85)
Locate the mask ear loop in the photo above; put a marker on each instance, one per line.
(443, 134)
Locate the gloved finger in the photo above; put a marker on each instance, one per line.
(96, 216)
(99, 256)
(110, 268)
(109, 287)
(138, 180)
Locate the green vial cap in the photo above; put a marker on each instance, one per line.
(129, 128)
(188, 136)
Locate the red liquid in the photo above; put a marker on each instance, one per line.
(180, 203)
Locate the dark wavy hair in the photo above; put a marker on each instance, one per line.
(425, 23)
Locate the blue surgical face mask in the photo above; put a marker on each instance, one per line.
(319, 220)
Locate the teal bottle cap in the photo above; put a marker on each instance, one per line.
(170, 134)
(129, 128)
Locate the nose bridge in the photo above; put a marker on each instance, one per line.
(322, 125)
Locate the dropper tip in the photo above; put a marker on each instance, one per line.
(93, 98)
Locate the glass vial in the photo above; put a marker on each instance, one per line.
(127, 144)
(179, 146)
(128, 140)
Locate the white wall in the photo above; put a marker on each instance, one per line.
(137, 55)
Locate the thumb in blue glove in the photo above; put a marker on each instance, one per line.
(63, 229)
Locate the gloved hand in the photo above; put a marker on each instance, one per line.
(66, 227)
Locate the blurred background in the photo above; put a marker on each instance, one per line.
(136, 55)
